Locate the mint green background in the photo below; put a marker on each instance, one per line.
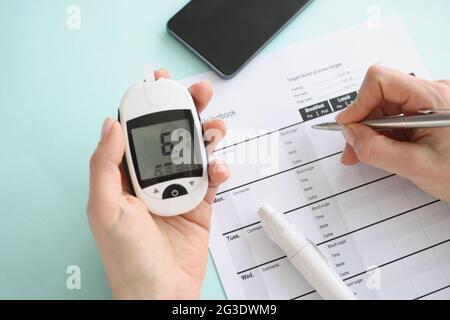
(56, 87)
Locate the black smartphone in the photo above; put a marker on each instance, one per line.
(227, 34)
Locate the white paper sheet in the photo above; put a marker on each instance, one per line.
(386, 238)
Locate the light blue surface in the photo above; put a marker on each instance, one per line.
(57, 86)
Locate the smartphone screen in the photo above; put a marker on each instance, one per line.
(227, 34)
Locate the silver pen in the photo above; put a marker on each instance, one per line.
(424, 119)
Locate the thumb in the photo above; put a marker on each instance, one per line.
(402, 158)
(105, 177)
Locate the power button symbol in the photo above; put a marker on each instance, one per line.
(174, 191)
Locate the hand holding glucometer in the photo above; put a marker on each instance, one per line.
(149, 256)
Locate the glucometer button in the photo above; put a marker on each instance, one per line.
(174, 191)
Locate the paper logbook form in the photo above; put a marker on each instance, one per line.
(386, 238)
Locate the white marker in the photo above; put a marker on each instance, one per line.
(305, 257)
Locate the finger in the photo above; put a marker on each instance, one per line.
(162, 73)
(445, 82)
(216, 124)
(202, 93)
(349, 156)
(400, 135)
(391, 109)
(126, 185)
(105, 176)
(383, 85)
(375, 149)
(214, 132)
(218, 174)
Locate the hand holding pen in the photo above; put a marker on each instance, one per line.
(421, 155)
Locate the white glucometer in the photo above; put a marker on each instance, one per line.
(165, 153)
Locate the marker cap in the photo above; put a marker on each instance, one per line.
(281, 231)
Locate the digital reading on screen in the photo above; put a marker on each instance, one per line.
(164, 150)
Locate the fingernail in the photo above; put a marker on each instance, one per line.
(349, 135)
(343, 153)
(205, 83)
(221, 168)
(339, 116)
(106, 128)
(344, 112)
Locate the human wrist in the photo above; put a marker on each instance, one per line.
(126, 293)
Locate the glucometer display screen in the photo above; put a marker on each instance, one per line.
(155, 148)
(163, 147)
